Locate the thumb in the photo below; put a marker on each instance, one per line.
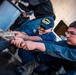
(15, 32)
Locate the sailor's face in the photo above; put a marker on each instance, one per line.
(41, 31)
(71, 36)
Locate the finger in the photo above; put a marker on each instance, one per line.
(12, 42)
(21, 42)
(25, 47)
(15, 32)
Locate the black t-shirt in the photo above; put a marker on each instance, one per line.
(44, 9)
(41, 8)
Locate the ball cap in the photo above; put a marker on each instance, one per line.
(47, 23)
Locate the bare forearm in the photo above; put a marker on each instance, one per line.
(30, 45)
(40, 46)
(32, 38)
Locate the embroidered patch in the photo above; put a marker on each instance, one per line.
(46, 21)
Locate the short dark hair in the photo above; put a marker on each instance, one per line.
(73, 24)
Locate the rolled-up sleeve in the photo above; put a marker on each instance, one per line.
(60, 51)
(48, 37)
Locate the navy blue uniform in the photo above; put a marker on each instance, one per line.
(42, 9)
(27, 56)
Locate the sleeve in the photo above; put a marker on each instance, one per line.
(48, 37)
(36, 2)
(28, 32)
(61, 51)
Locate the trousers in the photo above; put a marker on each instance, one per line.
(4, 44)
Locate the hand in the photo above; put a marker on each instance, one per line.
(15, 1)
(19, 34)
(24, 33)
(28, 45)
(17, 42)
(24, 14)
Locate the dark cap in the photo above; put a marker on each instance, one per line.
(47, 23)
